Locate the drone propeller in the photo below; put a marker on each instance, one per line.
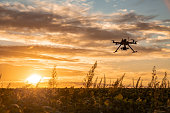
(134, 41)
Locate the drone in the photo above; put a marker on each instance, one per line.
(125, 43)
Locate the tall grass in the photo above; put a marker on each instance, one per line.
(99, 85)
(38, 83)
(53, 81)
(104, 84)
(154, 83)
(165, 82)
(137, 83)
(95, 83)
(118, 82)
(1, 80)
(115, 98)
(88, 80)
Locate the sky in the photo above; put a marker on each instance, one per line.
(35, 35)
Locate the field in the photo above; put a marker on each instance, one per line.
(85, 100)
(94, 97)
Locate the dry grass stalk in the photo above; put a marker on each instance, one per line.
(118, 82)
(137, 83)
(1, 80)
(164, 83)
(141, 85)
(98, 86)
(53, 81)
(38, 83)
(95, 83)
(153, 83)
(110, 83)
(89, 77)
(104, 85)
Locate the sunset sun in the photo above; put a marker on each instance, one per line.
(33, 79)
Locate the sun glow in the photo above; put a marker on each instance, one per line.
(34, 79)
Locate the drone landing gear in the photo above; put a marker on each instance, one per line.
(132, 49)
(117, 49)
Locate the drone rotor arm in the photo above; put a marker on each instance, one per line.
(115, 42)
(133, 42)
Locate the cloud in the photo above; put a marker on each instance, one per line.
(64, 19)
(131, 18)
(66, 53)
(151, 26)
(167, 20)
(70, 29)
(17, 19)
(26, 52)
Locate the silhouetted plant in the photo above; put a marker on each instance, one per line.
(164, 83)
(89, 77)
(141, 85)
(73, 100)
(137, 83)
(153, 83)
(118, 82)
(104, 84)
(53, 81)
(1, 80)
(110, 84)
(38, 83)
(95, 83)
(98, 86)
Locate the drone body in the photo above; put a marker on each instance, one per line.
(125, 43)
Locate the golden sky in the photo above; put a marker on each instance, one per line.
(72, 34)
